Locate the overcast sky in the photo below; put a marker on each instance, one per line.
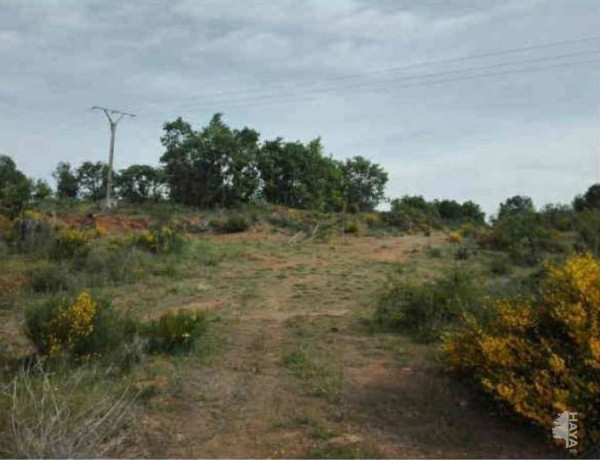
(382, 79)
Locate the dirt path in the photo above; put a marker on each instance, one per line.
(302, 376)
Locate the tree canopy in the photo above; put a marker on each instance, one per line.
(15, 188)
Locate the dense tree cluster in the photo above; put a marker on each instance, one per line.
(220, 166)
(408, 210)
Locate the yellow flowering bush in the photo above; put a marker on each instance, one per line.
(371, 218)
(71, 324)
(81, 327)
(453, 238)
(70, 241)
(540, 355)
(160, 239)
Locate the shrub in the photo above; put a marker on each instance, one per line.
(500, 265)
(454, 238)
(70, 242)
(80, 328)
(540, 354)
(426, 310)
(462, 253)
(371, 219)
(111, 263)
(433, 253)
(31, 233)
(51, 278)
(175, 332)
(161, 239)
(231, 224)
(587, 224)
(351, 228)
(523, 234)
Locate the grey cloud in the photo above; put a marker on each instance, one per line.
(169, 58)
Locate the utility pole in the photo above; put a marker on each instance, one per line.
(113, 122)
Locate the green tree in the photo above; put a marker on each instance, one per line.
(472, 212)
(41, 190)
(15, 188)
(364, 184)
(517, 204)
(67, 183)
(91, 178)
(450, 211)
(212, 167)
(139, 183)
(300, 176)
(590, 199)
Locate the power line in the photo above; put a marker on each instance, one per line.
(393, 83)
(447, 80)
(202, 97)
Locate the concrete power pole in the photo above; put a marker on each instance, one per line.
(113, 122)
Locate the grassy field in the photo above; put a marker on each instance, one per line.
(291, 365)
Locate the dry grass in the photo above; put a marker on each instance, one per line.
(293, 345)
(64, 415)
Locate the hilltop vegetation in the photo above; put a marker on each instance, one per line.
(248, 299)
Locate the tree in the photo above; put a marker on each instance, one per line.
(364, 184)
(449, 210)
(67, 183)
(300, 176)
(212, 167)
(41, 190)
(91, 178)
(592, 197)
(139, 183)
(15, 188)
(472, 212)
(515, 205)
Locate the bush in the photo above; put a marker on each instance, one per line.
(70, 242)
(500, 265)
(462, 253)
(231, 224)
(81, 328)
(428, 309)
(351, 228)
(540, 354)
(51, 278)
(161, 239)
(587, 224)
(371, 219)
(175, 332)
(433, 253)
(113, 263)
(31, 233)
(523, 235)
